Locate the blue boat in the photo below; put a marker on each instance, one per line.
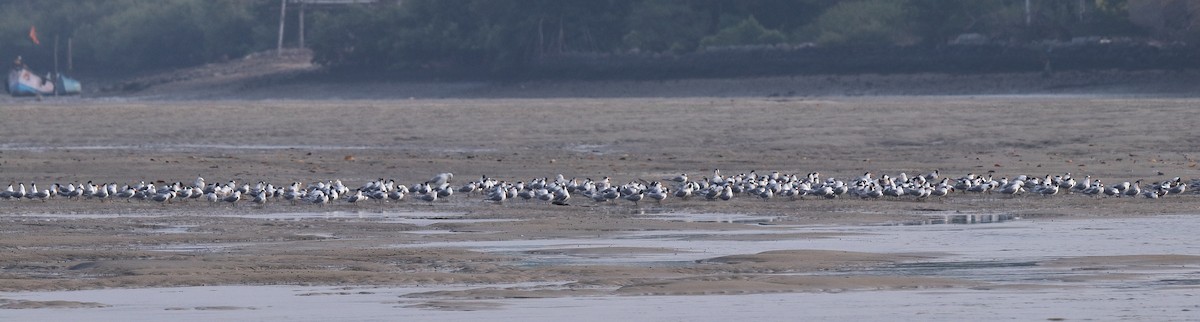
(23, 82)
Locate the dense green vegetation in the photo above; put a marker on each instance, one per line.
(500, 36)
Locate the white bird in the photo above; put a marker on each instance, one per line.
(164, 197)
(356, 197)
(560, 197)
(469, 187)
(7, 193)
(127, 193)
(498, 195)
(1048, 189)
(37, 194)
(684, 191)
(726, 193)
(765, 193)
(923, 192)
(19, 193)
(441, 179)
(932, 176)
(1134, 189)
(445, 192)
(635, 197)
(233, 199)
(260, 198)
(872, 192)
(941, 190)
(398, 194)
(679, 178)
(40, 195)
(543, 194)
(525, 194)
(717, 178)
(657, 193)
(318, 197)
(430, 197)
(1178, 187)
(1012, 189)
(102, 193)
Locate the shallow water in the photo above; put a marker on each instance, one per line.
(306, 303)
(1004, 253)
(986, 252)
(725, 218)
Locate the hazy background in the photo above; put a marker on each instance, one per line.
(614, 39)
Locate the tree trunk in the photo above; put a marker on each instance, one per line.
(561, 35)
(541, 38)
(282, 18)
(301, 25)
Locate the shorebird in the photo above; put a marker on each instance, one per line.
(823, 191)
(560, 197)
(684, 191)
(469, 187)
(1048, 190)
(102, 193)
(398, 194)
(260, 198)
(1012, 189)
(429, 197)
(441, 179)
(164, 197)
(233, 199)
(923, 192)
(445, 192)
(932, 176)
(40, 195)
(356, 197)
(1177, 187)
(19, 193)
(656, 193)
(526, 194)
(1134, 189)
(33, 193)
(679, 178)
(318, 197)
(558, 190)
(498, 195)
(635, 197)
(941, 190)
(1112, 191)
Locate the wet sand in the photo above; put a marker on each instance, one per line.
(652, 251)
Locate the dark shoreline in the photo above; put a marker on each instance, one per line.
(1151, 83)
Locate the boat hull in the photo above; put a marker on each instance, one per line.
(24, 82)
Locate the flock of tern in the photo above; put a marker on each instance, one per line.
(559, 191)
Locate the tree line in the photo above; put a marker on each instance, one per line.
(505, 36)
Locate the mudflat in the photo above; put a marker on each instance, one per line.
(585, 249)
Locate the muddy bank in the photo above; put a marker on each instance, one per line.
(462, 254)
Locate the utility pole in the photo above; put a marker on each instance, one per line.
(55, 54)
(1082, 9)
(282, 18)
(1028, 14)
(302, 5)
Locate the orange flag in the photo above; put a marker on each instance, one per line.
(33, 35)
